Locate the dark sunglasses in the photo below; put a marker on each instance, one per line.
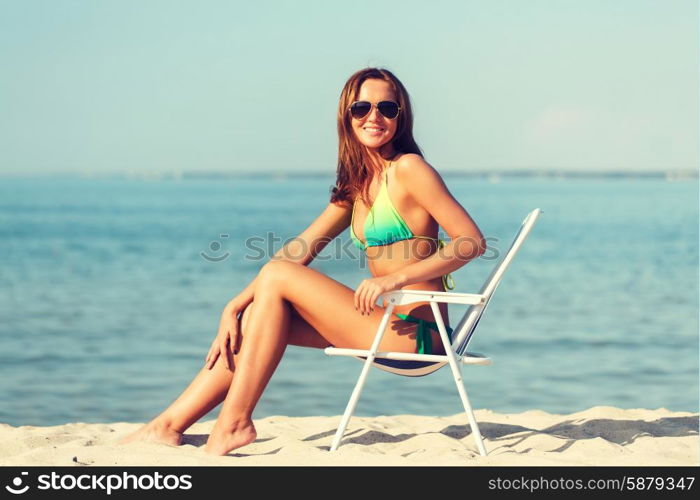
(388, 109)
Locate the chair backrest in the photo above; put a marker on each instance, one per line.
(464, 330)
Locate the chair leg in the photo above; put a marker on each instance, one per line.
(355, 397)
(352, 403)
(456, 368)
(470, 414)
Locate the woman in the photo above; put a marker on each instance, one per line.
(290, 303)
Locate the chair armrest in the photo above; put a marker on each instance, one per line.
(403, 297)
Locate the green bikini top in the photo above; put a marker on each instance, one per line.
(387, 226)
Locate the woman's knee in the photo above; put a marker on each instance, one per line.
(274, 274)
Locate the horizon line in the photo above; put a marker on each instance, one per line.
(181, 174)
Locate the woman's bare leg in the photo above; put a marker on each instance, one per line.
(209, 387)
(325, 304)
(257, 362)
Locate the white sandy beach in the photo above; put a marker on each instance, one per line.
(597, 436)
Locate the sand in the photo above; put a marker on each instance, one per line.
(597, 436)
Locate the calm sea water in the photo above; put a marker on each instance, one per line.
(108, 307)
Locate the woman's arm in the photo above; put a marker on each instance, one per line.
(302, 249)
(427, 188)
(334, 219)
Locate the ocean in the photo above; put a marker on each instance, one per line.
(111, 291)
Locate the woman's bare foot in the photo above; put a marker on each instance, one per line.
(220, 442)
(156, 431)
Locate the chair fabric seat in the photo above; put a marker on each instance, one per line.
(407, 368)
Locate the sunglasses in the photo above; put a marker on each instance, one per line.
(388, 109)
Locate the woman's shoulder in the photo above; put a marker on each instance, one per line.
(412, 167)
(408, 159)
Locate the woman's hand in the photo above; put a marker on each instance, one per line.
(226, 341)
(369, 291)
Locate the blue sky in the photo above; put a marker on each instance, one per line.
(157, 85)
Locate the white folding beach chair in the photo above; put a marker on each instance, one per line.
(417, 365)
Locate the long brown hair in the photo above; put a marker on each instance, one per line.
(356, 166)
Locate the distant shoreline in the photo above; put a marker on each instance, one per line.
(493, 175)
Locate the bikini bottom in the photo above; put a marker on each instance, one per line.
(424, 339)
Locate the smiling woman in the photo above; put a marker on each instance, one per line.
(403, 203)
